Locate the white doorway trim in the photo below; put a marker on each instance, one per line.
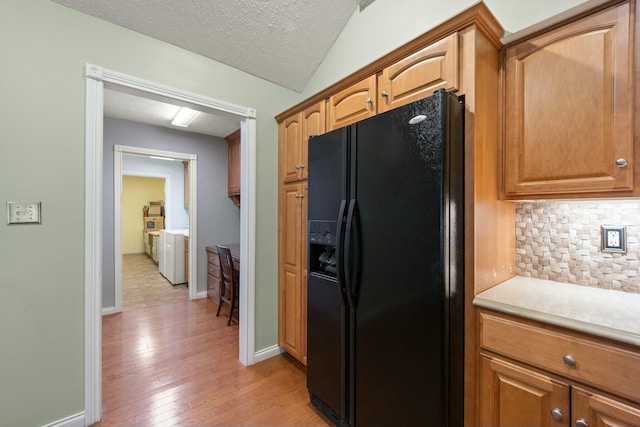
(95, 78)
(118, 172)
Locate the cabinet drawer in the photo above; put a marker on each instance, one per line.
(604, 365)
(213, 269)
(212, 257)
(213, 288)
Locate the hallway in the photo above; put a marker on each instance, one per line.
(176, 364)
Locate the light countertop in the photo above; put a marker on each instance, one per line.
(602, 312)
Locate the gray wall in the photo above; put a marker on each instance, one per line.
(218, 218)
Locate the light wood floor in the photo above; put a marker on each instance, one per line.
(176, 364)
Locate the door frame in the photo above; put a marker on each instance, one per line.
(95, 79)
(118, 172)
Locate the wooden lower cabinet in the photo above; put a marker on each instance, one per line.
(214, 274)
(596, 410)
(532, 374)
(514, 396)
(292, 274)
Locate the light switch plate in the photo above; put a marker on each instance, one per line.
(614, 238)
(23, 212)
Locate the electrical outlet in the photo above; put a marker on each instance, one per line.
(614, 238)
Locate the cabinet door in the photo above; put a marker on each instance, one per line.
(352, 104)
(313, 123)
(597, 410)
(290, 278)
(290, 135)
(233, 174)
(185, 165)
(568, 116)
(419, 75)
(514, 396)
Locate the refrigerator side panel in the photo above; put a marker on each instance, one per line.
(454, 261)
(399, 345)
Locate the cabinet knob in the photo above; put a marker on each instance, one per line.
(384, 94)
(297, 166)
(622, 162)
(301, 166)
(557, 414)
(299, 196)
(582, 423)
(569, 360)
(369, 101)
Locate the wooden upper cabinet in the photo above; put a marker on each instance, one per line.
(420, 74)
(313, 123)
(185, 167)
(233, 175)
(294, 133)
(357, 102)
(568, 109)
(290, 135)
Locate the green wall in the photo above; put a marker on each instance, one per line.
(43, 49)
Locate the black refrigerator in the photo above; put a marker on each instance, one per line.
(385, 304)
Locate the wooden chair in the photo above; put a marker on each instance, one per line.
(229, 282)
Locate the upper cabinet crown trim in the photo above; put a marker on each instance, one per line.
(573, 14)
(478, 15)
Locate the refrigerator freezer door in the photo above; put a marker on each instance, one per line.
(326, 310)
(399, 357)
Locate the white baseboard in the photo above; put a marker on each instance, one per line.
(201, 294)
(76, 420)
(267, 353)
(108, 310)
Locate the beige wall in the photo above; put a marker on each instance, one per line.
(137, 192)
(44, 48)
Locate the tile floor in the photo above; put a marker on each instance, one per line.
(144, 286)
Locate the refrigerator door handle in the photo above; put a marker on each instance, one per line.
(339, 242)
(350, 279)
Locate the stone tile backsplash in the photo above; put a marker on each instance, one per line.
(561, 241)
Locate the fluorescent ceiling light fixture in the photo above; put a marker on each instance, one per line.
(184, 117)
(161, 158)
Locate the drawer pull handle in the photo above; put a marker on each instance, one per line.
(582, 423)
(569, 360)
(557, 414)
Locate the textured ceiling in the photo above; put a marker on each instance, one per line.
(282, 41)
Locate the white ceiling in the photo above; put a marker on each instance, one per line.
(136, 108)
(282, 41)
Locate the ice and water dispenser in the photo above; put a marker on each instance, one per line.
(322, 248)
